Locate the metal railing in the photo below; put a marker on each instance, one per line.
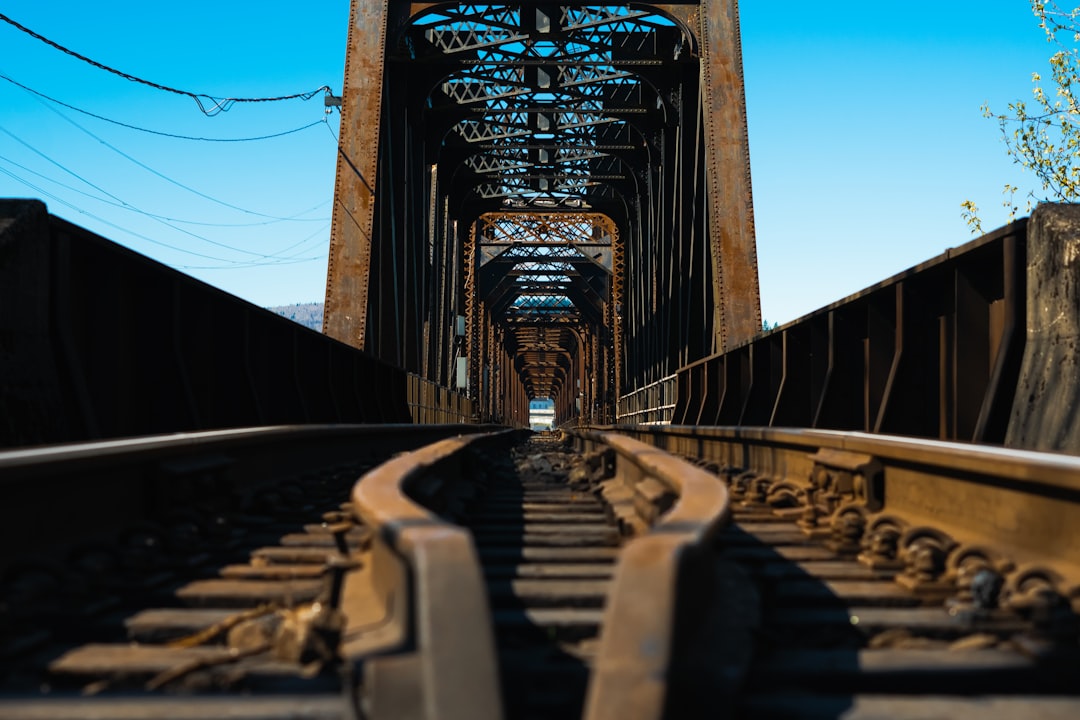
(432, 404)
(934, 351)
(653, 404)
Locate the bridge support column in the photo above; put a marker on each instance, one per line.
(1046, 407)
(727, 157)
(349, 267)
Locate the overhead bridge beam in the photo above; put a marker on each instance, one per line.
(451, 112)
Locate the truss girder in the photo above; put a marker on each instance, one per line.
(571, 179)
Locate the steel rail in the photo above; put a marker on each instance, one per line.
(427, 580)
(116, 483)
(679, 509)
(897, 500)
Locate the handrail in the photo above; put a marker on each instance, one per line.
(427, 575)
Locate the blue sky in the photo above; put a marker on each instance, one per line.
(865, 134)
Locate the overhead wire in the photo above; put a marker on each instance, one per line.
(128, 206)
(81, 211)
(156, 132)
(233, 264)
(286, 259)
(216, 105)
(161, 175)
(121, 203)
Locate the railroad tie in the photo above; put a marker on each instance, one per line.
(843, 638)
(548, 552)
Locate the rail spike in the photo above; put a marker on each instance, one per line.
(979, 572)
(881, 543)
(846, 529)
(925, 551)
(1042, 596)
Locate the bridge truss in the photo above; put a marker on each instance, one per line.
(571, 179)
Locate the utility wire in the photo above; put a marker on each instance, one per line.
(155, 132)
(233, 264)
(120, 202)
(128, 206)
(216, 105)
(293, 259)
(161, 175)
(81, 211)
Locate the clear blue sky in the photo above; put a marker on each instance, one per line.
(865, 133)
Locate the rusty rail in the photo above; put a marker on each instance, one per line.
(428, 583)
(642, 667)
(938, 510)
(132, 522)
(116, 483)
(426, 576)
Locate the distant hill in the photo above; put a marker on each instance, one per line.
(307, 314)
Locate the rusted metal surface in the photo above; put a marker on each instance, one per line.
(856, 566)
(427, 578)
(1046, 408)
(895, 565)
(1010, 511)
(727, 155)
(352, 234)
(431, 403)
(654, 403)
(677, 509)
(951, 327)
(118, 483)
(144, 523)
(570, 112)
(89, 358)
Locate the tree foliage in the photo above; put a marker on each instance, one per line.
(1043, 135)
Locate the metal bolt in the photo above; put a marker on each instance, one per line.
(334, 579)
(339, 531)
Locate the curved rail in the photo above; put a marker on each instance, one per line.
(115, 483)
(428, 582)
(426, 578)
(665, 578)
(1017, 511)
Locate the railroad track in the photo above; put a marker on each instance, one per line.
(775, 574)
(548, 549)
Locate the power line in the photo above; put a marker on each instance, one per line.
(284, 260)
(128, 206)
(233, 264)
(120, 202)
(161, 175)
(156, 132)
(81, 211)
(217, 105)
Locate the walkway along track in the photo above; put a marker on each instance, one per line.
(784, 574)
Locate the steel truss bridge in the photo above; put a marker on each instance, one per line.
(553, 200)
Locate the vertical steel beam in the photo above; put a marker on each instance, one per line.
(349, 266)
(737, 310)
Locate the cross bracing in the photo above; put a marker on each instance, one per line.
(569, 177)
